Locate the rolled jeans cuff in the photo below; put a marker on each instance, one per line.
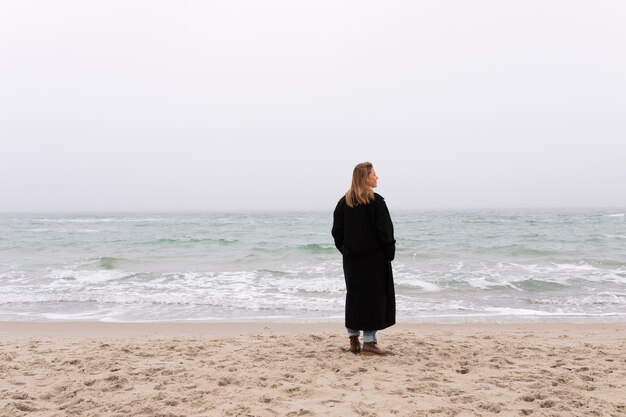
(368, 335)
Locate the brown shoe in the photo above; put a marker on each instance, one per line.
(371, 348)
(355, 345)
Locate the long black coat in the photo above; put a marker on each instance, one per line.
(364, 236)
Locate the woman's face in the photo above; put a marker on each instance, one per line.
(372, 179)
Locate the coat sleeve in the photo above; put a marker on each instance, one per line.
(384, 230)
(337, 230)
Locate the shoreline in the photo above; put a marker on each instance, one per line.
(169, 329)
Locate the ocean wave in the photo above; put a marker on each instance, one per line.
(187, 241)
(79, 220)
(101, 262)
(14, 277)
(485, 284)
(318, 248)
(576, 267)
(273, 273)
(108, 262)
(84, 220)
(605, 298)
(404, 285)
(615, 236)
(518, 277)
(509, 311)
(88, 277)
(515, 250)
(582, 270)
(539, 285)
(615, 215)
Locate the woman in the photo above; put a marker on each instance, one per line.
(363, 233)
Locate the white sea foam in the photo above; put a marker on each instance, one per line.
(615, 236)
(96, 315)
(83, 276)
(79, 220)
(595, 299)
(506, 311)
(424, 285)
(86, 220)
(482, 283)
(13, 277)
(615, 215)
(572, 267)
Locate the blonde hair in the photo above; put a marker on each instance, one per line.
(360, 192)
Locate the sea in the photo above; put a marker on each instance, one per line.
(450, 267)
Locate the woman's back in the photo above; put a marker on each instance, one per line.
(363, 233)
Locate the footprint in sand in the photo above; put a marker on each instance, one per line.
(26, 407)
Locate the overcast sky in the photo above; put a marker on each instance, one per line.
(215, 105)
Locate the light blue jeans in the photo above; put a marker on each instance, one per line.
(368, 335)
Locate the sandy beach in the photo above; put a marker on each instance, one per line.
(275, 369)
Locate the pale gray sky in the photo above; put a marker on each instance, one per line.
(213, 105)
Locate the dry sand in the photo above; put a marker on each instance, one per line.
(99, 369)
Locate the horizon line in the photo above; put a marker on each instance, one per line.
(281, 210)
